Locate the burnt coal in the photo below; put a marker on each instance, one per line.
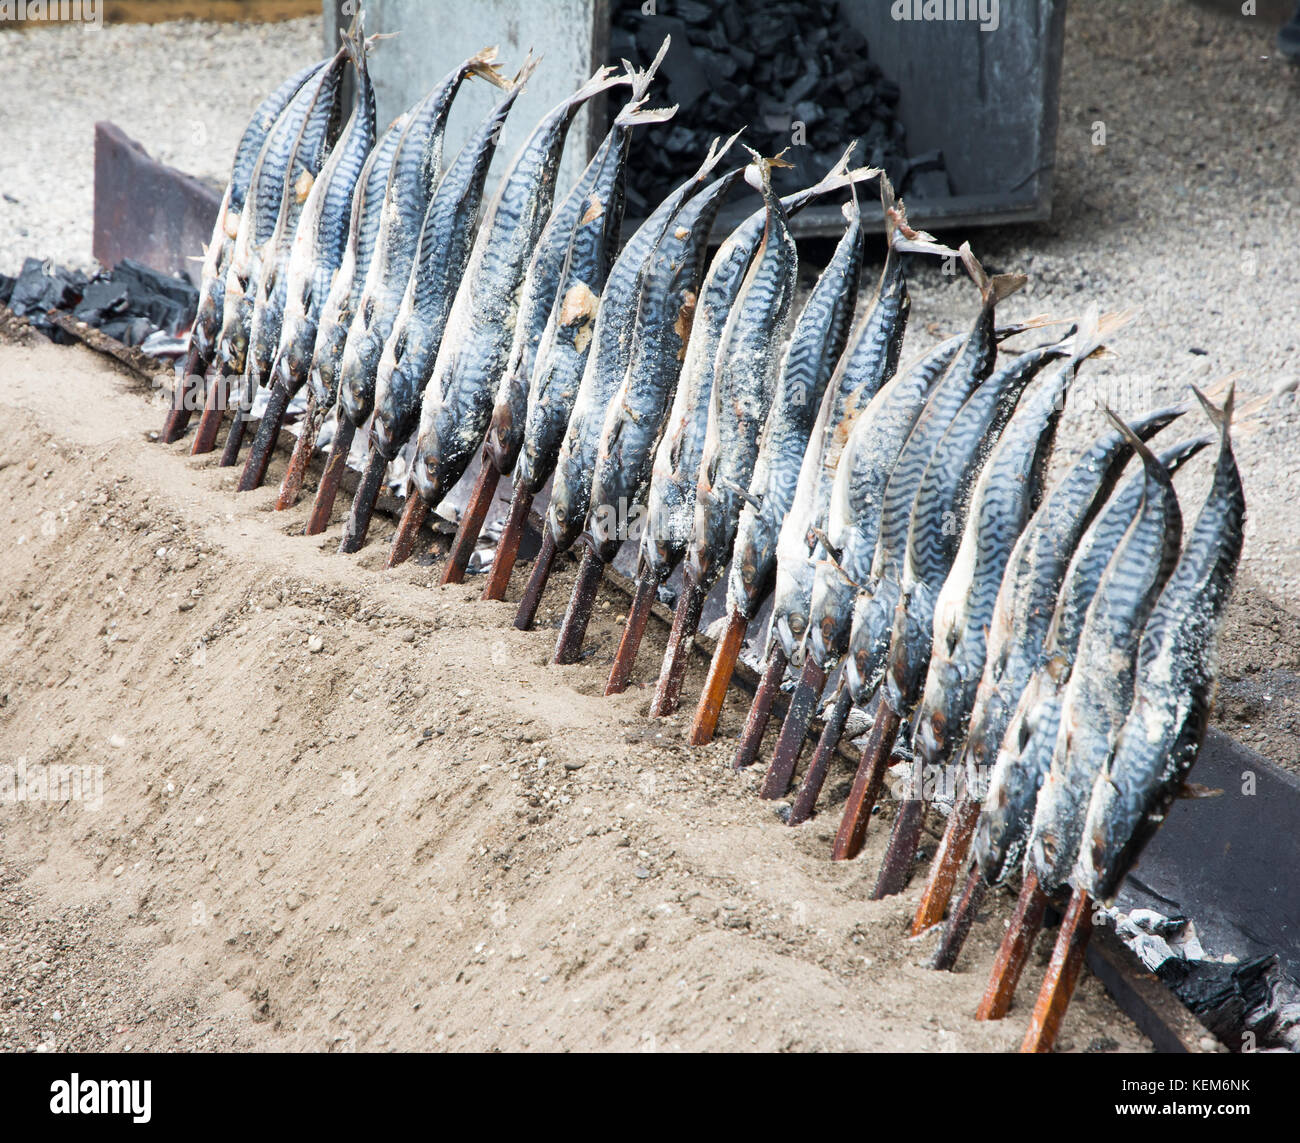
(129, 303)
(794, 73)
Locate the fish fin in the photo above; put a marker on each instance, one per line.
(525, 72)
(602, 79)
(1040, 321)
(1191, 790)
(484, 65)
(1094, 330)
(899, 234)
(759, 172)
(997, 287)
(851, 210)
(641, 78)
(755, 502)
(634, 113)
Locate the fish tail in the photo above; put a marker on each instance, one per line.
(525, 72)
(899, 234)
(759, 172)
(633, 113)
(601, 80)
(1095, 329)
(641, 78)
(992, 289)
(717, 149)
(484, 65)
(1220, 416)
(1148, 458)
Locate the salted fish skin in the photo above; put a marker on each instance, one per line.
(446, 240)
(508, 424)
(747, 362)
(608, 351)
(1176, 676)
(350, 278)
(635, 418)
(1100, 691)
(322, 233)
(670, 505)
(818, 339)
(413, 176)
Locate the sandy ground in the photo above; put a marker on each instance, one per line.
(349, 809)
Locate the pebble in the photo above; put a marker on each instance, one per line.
(315, 644)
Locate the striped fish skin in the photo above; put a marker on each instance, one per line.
(940, 505)
(1035, 571)
(746, 370)
(1100, 691)
(670, 505)
(1176, 677)
(876, 608)
(608, 349)
(1025, 753)
(345, 291)
(322, 233)
(314, 146)
(853, 516)
(868, 362)
(216, 263)
(820, 334)
(412, 180)
(1006, 495)
(506, 429)
(459, 398)
(635, 418)
(446, 240)
(260, 217)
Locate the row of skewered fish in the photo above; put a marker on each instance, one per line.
(1050, 645)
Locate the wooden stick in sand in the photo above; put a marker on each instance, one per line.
(638, 617)
(1062, 974)
(471, 523)
(721, 667)
(867, 784)
(686, 621)
(760, 710)
(503, 562)
(1014, 951)
(794, 729)
(947, 865)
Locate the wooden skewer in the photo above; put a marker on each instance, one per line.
(686, 621)
(633, 632)
(536, 583)
(296, 473)
(191, 383)
(214, 411)
(268, 433)
(503, 562)
(963, 917)
(760, 710)
(238, 426)
(900, 856)
(867, 784)
(946, 865)
(330, 479)
(363, 503)
(408, 529)
(721, 668)
(471, 523)
(1014, 951)
(794, 729)
(1062, 974)
(806, 799)
(568, 647)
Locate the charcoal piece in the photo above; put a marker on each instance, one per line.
(733, 23)
(717, 66)
(6, 288)
(693, 12)
(808, 112)
(40, 289)
(145, 279)
(743, 56)
(806, 84)
(102, 299)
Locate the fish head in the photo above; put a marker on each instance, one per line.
(939, 719)
(298, 345)
(830, 614)
(424, 469)
(565, 519)
(207, 322)
(789, 629)
(358, 370)
(324, 375)
(232, 346)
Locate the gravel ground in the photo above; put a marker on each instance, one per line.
(185, 90)
(1187, 213)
